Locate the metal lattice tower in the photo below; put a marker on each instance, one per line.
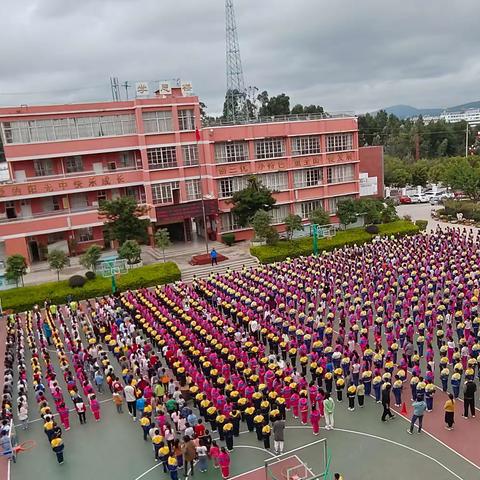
(236, 95)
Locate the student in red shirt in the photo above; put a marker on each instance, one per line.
(199, 429)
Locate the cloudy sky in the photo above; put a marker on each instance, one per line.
(347, 55)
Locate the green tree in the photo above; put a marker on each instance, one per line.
(122, 219)
(396, 173)
(347, 212)
(464, 174)
(419, 171)
(278, 105)
(293, 223)
(261, 224)
(250, 200)
(16, 268)
(319, 216)
(91, 257)
(162, 240)
(131, 251)
(58, 260)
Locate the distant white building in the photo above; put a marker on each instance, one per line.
(471, 115)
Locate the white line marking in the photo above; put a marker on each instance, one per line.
(403, 446)
(148, 471)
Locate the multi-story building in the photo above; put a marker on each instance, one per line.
(65, 159)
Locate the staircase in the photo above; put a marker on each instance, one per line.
(203, 271)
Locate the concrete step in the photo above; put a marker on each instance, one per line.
(203, 271)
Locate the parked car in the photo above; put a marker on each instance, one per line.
(405, 199)
(418, 198)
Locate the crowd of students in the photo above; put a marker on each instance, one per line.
(386, 318)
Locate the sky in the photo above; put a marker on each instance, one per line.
(346, 55)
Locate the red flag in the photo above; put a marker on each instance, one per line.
(197, 135)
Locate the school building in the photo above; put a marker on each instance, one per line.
(65, 159)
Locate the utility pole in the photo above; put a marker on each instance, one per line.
(126, 86)
(466, 141)
(115, 86)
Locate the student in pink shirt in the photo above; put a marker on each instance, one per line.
(315, 420)
(303, 407)
(95, 408)
(64, 415)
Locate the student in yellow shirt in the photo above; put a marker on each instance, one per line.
(449, 412)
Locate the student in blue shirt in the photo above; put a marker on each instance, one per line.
(419, 407)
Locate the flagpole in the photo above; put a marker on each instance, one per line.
(205, 231)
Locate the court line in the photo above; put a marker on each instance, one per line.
(393, 442)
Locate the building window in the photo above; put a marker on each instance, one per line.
(84, 234)
(70, 128)
(310, 177)
(304, 209)
(340, 173)
(231, 152)
(229, 222)
(334, 201)
(228, 186)
(279, 213)
(101, 196)
(275, 181)
(157, 122)
(163, 157)
(43, 168)
(305, 145)
(74, 164)
(163, 192)
(190, 155)
(126, 160)
(194, 190)
(339, 142)
(270, 148)
(186, 119)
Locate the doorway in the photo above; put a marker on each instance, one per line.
(34, 250)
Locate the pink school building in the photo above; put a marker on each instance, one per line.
(64, 159)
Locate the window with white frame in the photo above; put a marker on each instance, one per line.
(340, 173)
(270, 148)
(339, 142)
(190, 155)
(84, 234)
(229, 222)
(126, 160)
(279, 213)
(305, 145)
(162, 157)
(43, 167)
(228, 186)
(231, 152)
(333, 202)
(71, 128)
(276, 182)
(74, 164)
(194, 190)
(163, 192)
(158, 121)
(309, 177)
(304, 209)
(186, 119)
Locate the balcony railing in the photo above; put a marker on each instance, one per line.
(218, 122)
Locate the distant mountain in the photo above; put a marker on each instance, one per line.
(407, 111)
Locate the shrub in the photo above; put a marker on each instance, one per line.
(407, 218)
(22, 299)
(228, 239)
(304, 246)
(372, 229)
(90, 275)
(422, 224)
(76, 281)
(272, 237)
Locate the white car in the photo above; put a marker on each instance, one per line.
(416, 198)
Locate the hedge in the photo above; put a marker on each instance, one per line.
(22, 299)
(304, 246)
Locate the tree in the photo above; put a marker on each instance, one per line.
(162, 240)
(250, 200)
(293, 224)
(319, 216)
(16, 268)
(269, 107)
(464, 174)
(122, 219)
(396, 173)
(261, 224)
(347, 212)
(58, 260)
(91, 257)
(419, 171)
(131, 251)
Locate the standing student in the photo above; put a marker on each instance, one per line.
(214, 453)
(278, 435)
(202, 458)
(228, 435)
(213, 257)
(469, 390)
(386, 402)
(329, 409)
(95, 407)
(118, 401)
(189, 454)
(315, 420)
(58, 448)
(131, 399)
(224, 462)
(172, 467)
(64, 416)
(449, 412)
(23, 414)
(419, 407)
(81, 409)
(266, 432)
(361, 394)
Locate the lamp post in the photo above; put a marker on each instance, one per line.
(315, 239)
(205, 230)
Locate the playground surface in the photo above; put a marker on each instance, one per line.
(361, 447)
